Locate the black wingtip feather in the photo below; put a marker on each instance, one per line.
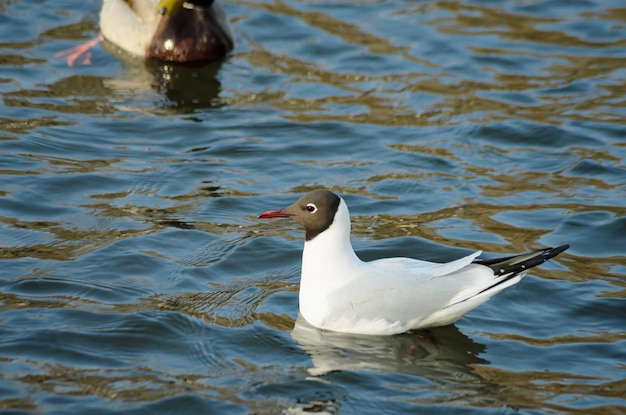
(520, 263)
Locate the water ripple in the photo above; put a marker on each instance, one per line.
(135, 276)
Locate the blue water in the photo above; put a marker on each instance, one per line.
(135, 277)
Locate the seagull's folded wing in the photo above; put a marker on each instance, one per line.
(450, 267)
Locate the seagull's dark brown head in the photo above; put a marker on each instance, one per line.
(315, 211)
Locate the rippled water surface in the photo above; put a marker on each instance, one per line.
(135, 277)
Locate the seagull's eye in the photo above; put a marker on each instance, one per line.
(311, 208)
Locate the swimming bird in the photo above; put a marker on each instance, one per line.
(341, 293)
(183, 31)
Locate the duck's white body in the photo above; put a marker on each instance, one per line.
(130, 29)
(339, 292)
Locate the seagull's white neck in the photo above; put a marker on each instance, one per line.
(328, 258)
(328, 263)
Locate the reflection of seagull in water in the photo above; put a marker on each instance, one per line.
(339, 292)
(193, 31)
(441, 354)
(440, 360)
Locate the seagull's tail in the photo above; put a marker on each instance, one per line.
(507, 271)
(519, 264)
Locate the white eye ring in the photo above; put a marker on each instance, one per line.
(311, 208)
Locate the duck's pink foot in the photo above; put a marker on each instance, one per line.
(80, 54)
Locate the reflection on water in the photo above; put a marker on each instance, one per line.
(443, 358)
(441, 354)
(184, 89)
(521, 75)
(134, 274)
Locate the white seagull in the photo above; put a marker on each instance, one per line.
(341, 293)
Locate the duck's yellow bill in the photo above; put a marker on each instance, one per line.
(169, 7)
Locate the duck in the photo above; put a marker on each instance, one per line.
(178, 31)
(341, 293)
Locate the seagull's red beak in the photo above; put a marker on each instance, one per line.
(274, 213)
